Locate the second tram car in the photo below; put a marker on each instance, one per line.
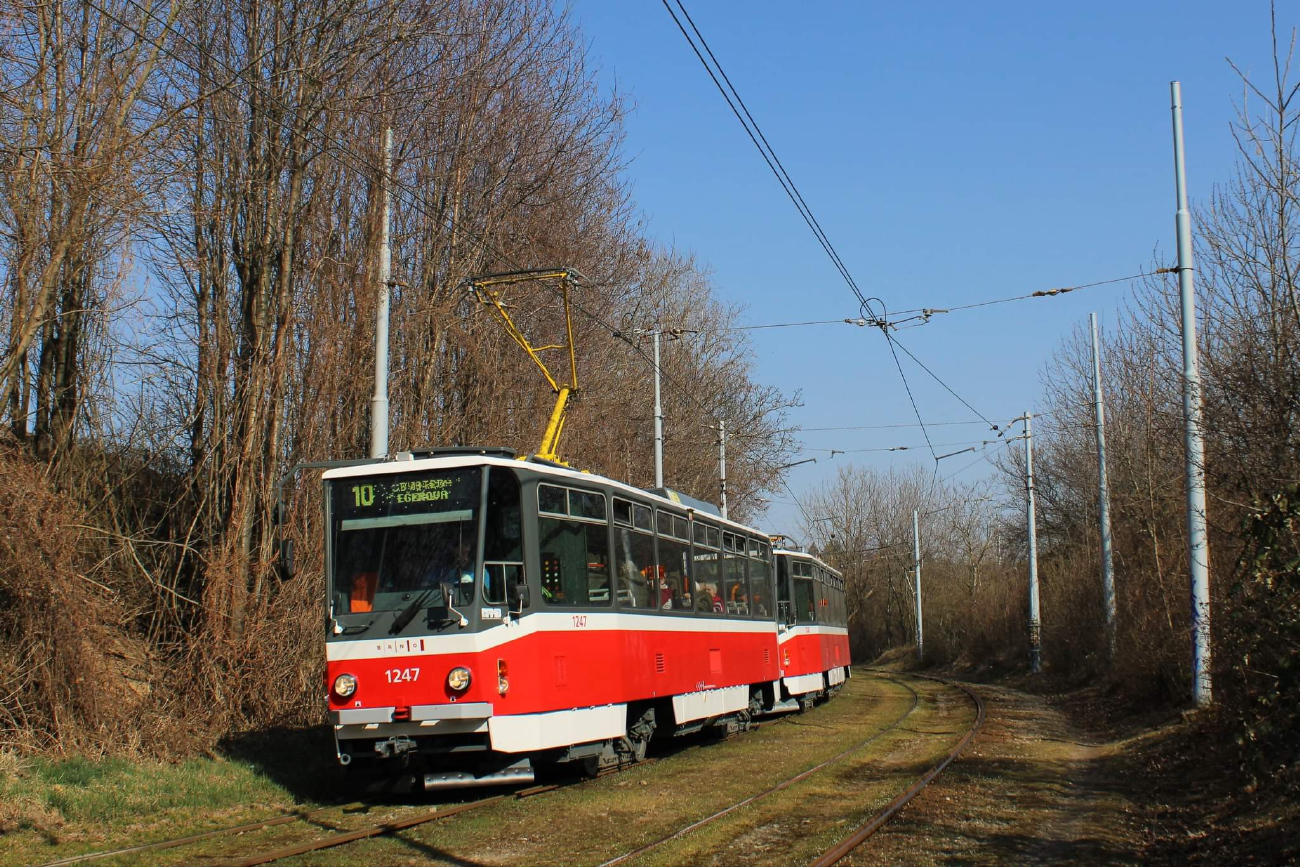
(488, 614)
(812, 626)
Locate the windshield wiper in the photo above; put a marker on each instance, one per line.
(403, 619)
(356, 628)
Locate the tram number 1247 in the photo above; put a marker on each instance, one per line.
(403, 675)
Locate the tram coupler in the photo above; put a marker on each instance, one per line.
(395, 747)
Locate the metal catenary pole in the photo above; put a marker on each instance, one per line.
(659, 420)
(722, 462)
(1198, 549)
(916, 571)
(1103, 495)
(1035, 645)
(379, 402)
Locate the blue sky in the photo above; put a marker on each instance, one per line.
(953, 153)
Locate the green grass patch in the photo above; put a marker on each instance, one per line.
(56, 807)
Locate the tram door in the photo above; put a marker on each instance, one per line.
(785, 610)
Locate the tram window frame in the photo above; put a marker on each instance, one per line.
(703, 603)
(503, 537)
(801, 570)
(637, 568)
(735, 575)
(563, 500)
(673, 550)
(758, 604)
(596, 540)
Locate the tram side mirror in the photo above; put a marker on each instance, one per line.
(286, 559)
(519, 594)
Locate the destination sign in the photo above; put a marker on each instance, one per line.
(355, 499)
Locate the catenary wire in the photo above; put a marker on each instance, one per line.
(765, 149)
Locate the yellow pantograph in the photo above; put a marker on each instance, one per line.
(487, 290)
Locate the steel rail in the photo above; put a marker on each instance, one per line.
(676, 835)
(282, 819)
(847, 845)
(402, 824)
(352, 836)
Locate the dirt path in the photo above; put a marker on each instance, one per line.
(1030, 789)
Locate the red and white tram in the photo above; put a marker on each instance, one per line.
(813, 627)
(488, 614)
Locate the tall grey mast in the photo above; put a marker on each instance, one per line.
(1035, 632)
(1103, 494)
(916, 568)
(659, 419)
(1198, 548)
(379, 402)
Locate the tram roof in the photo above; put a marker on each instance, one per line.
(490, 457)
(804, 554)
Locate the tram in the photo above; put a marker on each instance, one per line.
(812, 626)
(489, 614)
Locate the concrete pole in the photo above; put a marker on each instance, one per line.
(379, 402)
(1035, 639)
(659, 420)
(916, 571)
(722, 462)
(1198, 548)
(1103, 495)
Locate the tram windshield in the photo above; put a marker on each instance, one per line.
(398, 540)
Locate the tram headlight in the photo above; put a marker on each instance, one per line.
(345, 685)
(458, 679)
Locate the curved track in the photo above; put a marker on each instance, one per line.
(853, 841)
(847, 845)
(676, 835)
(831, 856)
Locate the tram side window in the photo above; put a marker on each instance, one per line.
(735, 581)
(674, 563)
(574, 550)
(760, 580)
(673, 542)
(634, 557)
(503, 553)
(805, 593)
(706, 572)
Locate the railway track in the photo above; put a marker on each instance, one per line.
(847, 845)
(331, 841)
(857, 838)
(426, 816)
